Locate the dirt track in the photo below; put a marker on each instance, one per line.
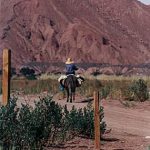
(134, 120)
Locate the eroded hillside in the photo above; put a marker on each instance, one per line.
(90, 31)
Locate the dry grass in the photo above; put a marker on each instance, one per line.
(114, 86)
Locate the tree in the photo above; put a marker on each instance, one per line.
(28, 73)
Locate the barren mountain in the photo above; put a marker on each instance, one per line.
(115, 32)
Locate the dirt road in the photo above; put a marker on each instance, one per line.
(133, 120)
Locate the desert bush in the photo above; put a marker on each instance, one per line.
(89, 86)
(46, 123)
(138, 91)
(8, 121)
(81, 121)
(105, 90)
(29, 128)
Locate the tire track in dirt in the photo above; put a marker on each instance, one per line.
(132, 121)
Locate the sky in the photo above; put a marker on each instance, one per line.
(145, 1)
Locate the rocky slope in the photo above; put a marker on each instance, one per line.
(39, 32)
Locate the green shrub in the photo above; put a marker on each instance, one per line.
(8, 122)
(138, 91)
(32, 127)
(81, 121)
(105, 91)
(89, 86)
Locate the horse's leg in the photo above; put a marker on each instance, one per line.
(70, 94)
(74, 96)
(67, 94)
(74, 91)
(71, 98)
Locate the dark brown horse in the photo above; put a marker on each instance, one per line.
(70, 85)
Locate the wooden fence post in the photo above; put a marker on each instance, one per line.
(6, 76)
(96, 121)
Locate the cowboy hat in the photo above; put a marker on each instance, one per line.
(69, 61)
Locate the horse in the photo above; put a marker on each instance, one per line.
(70, 85)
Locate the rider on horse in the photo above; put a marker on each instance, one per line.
(70, 70)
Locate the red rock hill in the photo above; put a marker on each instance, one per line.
(90, 31)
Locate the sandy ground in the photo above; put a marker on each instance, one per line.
(129, 123)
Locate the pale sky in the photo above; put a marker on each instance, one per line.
(145, 1)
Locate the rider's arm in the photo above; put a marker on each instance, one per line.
(75, 67)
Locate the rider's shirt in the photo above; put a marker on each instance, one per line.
(71, 68)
